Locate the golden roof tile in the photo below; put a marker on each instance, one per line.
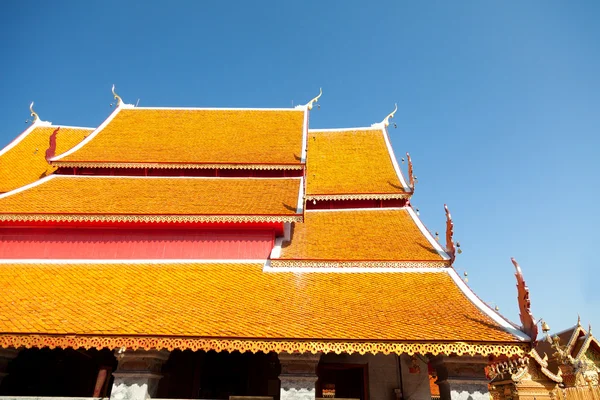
(71, 198)
(24, 160)
(192, 137)
(361, 235)
(352, 162)
(240, 302)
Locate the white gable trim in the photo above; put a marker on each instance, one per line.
(386, 138)
(427, 234)
(36, 124)
(94, 133)
(29, 186)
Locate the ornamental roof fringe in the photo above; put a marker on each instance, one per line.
(148, 218)
(256, 345)
(358, 196)
(276, 263)
(176, 166)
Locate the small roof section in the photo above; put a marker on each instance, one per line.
(155, 199)
(354, 163)
(141, 137)
(207, 306)
(23, 161)
(360, 237)
(576, 342)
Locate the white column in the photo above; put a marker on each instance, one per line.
(461, 378)
(137, 374)
(298, 376)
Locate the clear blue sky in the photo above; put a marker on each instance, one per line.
(499, 105)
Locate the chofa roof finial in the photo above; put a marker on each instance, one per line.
(309, 105)
(33, 113)
(529, 325)
(450, 248)
(117, 97)
(386, 120)
(51, 151)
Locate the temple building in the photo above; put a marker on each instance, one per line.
(235, 253)
(565, 365)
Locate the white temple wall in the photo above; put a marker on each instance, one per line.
(415, 385)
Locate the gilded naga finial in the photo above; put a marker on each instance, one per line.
(450, 248)
(386, 120)
(309, 105)
(411, 177)
(529, 325)
(33, 113)
(578, 320)
(117, 97)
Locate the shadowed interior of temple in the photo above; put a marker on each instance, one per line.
(58, 372)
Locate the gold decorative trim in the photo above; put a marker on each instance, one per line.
(574, 336)
(365, 196)
(536, 356)
(75, 164)
(244, 345)
(367, 264)
(147, 218)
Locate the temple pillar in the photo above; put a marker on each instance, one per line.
(298, 376)
(6, 356)
(137, 374)
(461, 378)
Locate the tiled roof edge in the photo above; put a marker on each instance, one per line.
(36, 124)
(120, 106)
(504, 323)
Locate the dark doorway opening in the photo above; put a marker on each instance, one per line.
(343, 381)
(212, 375)
(58, 372)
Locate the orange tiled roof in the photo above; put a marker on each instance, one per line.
(195, 136)
(236, 301)
(25, 162)
(135, 197)
(385, 234)
(351, 162)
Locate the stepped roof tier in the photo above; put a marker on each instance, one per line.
(353, 164)
(142, 137)
(258, 235)
(23, 161)
(244, 306)
(379, 236)
(64, 198)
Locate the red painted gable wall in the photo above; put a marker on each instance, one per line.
(113, 244)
